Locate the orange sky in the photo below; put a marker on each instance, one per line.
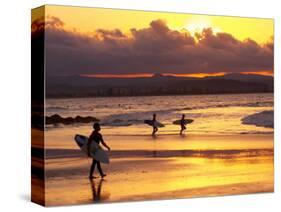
(87, 20)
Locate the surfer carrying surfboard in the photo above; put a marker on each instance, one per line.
(154, 124)
(155, 128)
(96, 136)
(183, 123)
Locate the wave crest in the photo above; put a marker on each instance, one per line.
(262, 119)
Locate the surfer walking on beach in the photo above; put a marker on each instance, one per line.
(183, 123)
(96, 136)
(155, 128)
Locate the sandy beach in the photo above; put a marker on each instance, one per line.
(164, 167)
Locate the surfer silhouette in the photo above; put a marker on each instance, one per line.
(96, 137)
(155, 128)
(183, 127)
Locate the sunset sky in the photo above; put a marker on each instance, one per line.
(127, 43)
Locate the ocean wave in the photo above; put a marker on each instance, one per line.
(54, 108)
(194, 107)
(127, 119)
(121, 122)
(262, 119)
(252, 104)
(165, 116)
(116, 122)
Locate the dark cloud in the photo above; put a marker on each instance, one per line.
(48, 22)
(156, 48)
(110, 33)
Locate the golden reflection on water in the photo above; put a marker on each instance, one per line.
(178, 174)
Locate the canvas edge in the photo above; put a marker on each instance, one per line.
(38, 111)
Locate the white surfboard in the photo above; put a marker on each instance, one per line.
(157, 124)
(186, 121)
(95, 150)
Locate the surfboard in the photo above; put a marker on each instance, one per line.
(157, 124)
(95, 150)
(187, 121)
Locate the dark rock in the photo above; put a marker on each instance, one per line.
(56, 119)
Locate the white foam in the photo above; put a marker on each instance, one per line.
(262, 119)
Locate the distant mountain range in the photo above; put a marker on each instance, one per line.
(79, 86)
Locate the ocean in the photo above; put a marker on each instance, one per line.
(212, 114)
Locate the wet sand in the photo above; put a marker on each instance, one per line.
(168, 166)
(141, 179)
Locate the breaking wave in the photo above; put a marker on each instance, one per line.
(262, 119)
(254, 104)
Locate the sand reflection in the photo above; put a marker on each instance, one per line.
(97, 193)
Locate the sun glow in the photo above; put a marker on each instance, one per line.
(87, 20)
(145, 75)
(263, 73)
(198, 25)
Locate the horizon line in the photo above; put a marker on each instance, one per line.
(193, 75)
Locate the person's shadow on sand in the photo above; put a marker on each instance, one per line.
(97, 191)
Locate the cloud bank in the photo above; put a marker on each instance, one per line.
(155, 49)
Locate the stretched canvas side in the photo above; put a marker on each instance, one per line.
(37, 106)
